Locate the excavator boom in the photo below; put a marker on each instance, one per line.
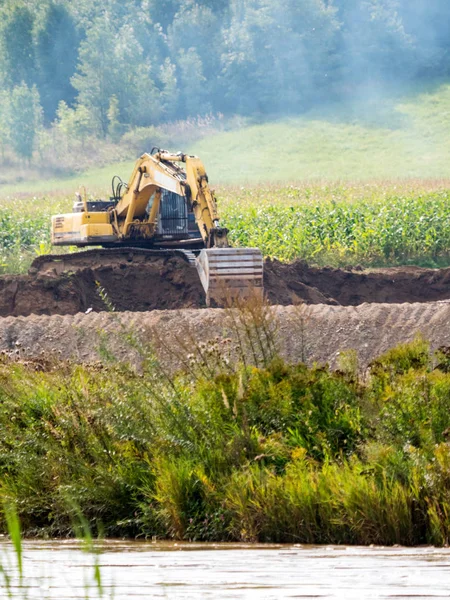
(166, 207)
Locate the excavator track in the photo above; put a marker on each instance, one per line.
(55, 264)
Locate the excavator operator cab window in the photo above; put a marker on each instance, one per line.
(173, 215)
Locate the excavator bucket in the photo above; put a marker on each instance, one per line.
(230, 273)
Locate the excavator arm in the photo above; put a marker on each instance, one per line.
(148, 178)
(225, 272)
(152, 173)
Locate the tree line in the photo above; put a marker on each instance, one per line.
(101, 69)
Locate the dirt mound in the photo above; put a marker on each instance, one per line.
(159, 283)
(302, 333)
(141, 282)
(297, 282)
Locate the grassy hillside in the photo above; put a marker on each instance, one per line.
(406, 137)
(97, 181)
(376, 138)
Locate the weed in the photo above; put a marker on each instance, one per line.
(105, 298)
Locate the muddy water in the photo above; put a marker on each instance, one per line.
(60, 570)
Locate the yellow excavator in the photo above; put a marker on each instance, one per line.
(164, 209)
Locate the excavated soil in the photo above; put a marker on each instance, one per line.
(315, 333)
(142, 283)
(57, 314)
(297, 282)
(138, 285)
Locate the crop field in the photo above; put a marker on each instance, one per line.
(379, 224)
(325, 223)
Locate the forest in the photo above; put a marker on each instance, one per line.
(131, 66)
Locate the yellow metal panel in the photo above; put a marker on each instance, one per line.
(96, 230)
(140, 200)
(148, 175)
(73, 221)
(95, 217)
(77, 227)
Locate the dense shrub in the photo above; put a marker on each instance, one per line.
(270, 453)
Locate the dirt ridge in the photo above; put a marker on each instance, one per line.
(318, 312)
(314, 333)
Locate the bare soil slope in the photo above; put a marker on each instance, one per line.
(296, 282)
(303, 333)
(139, 283)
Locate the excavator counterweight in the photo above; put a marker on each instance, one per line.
(165, 207)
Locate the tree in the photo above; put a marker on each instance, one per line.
(374, 44)
(111, 63)
(86, 12)
(277, 54)
(197, 27)
(427, 23)
(163, 11)
(16, 46)
(25, 119)
(114, 127)
(5, 129)
(75, 123)
(193, 84)
(57, 43)
(170, 91)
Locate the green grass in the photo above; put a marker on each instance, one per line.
(381, 138)
(96, 181)
(272, 453)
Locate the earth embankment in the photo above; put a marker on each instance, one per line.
(317, 313)
(315, 333)
(140, 284)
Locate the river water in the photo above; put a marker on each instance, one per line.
(128, 571)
